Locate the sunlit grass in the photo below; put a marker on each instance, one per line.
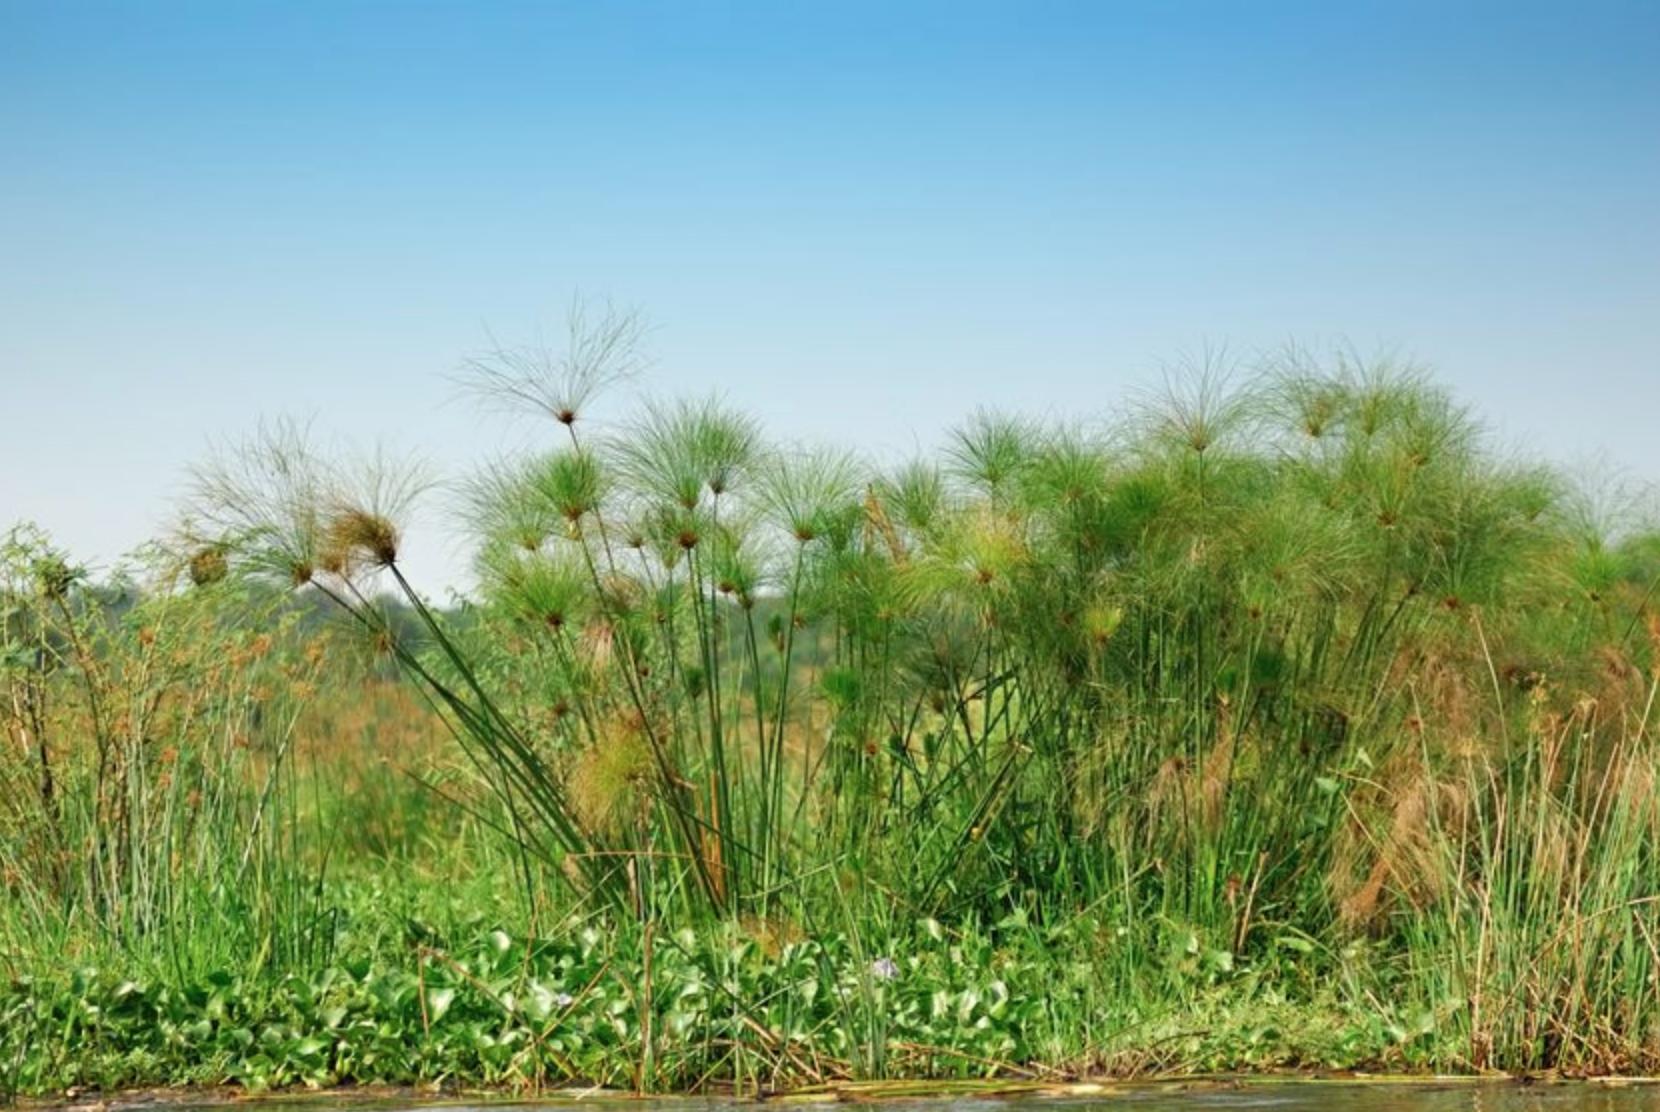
(1281, 695)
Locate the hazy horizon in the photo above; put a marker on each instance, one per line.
(858, 223)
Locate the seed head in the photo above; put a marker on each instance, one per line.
(54, 577)
(207, 565)
(361, 534)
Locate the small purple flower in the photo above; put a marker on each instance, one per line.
(563, 1000)
(884, 969)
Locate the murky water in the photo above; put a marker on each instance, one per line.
(1310, 1096)
(1385, 1097)
(1319, 1096)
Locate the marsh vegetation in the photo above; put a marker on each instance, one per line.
(1273, 720)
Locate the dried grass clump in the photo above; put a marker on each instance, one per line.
(609, 779)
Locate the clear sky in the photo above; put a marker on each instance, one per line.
(857, 220)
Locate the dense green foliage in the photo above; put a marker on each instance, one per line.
(718, 1005)
(1285, 723)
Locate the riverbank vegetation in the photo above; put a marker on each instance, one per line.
(1279, 720)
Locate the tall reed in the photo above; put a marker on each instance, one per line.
(1252, 661)
(147, 799)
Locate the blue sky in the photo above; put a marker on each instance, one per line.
(859, 221)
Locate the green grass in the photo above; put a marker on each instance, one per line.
(458, 1000)
(1278, 724)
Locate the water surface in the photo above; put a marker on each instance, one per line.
(1271, 1096)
